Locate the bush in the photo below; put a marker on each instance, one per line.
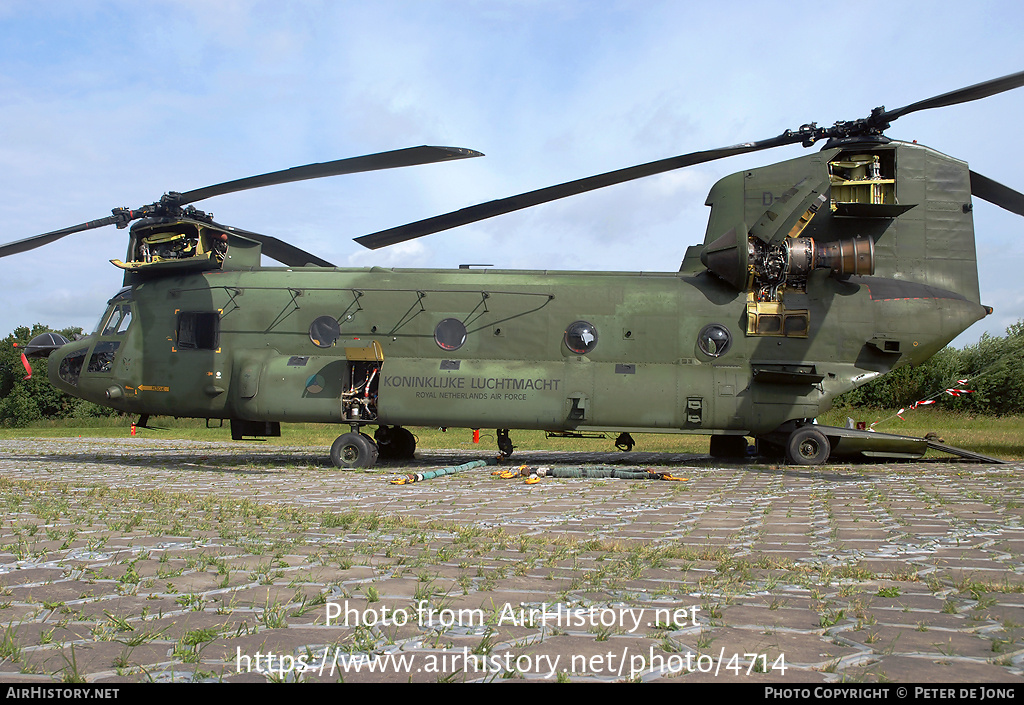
(23, 401)
(993, 368)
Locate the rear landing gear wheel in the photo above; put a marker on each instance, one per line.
(625, 442)
(728, 447)
(395, 443)
(807, 446)
(405, 443)
(384, 437)
(354, 450)
(504, 443)
(767, 449)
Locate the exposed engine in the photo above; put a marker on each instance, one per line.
(788, 263)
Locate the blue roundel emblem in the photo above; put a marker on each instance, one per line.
(315, 384)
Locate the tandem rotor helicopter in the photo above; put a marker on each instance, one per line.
(816, 275)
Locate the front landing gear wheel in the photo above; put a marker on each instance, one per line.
(354, 450)
(807, 446)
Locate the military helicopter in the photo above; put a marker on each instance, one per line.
(816, 275)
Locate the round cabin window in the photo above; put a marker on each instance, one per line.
(450, 334)
(324, 331)
(581, 337)
(714, 340)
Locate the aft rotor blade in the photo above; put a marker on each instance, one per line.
(996, 193)
(30, 243)
(963, 95)
(279, 250)
(370, 162)
(482, 211)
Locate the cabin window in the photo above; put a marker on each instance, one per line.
(581, 337)
(324, 331)
(198, 330)
(714, 340)
(450, 334)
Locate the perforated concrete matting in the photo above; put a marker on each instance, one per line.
(144, 560)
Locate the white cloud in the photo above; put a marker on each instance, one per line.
(110, 104)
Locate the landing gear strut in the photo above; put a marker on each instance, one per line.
(505, 446)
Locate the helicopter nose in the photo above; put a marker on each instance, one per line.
(65, 368)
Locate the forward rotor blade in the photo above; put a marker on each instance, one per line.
(30, 243)
(490, 209)
(370, 162)
(279, 250)
(963, 95)
(996, 193)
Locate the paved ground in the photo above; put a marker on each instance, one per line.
(162, 560)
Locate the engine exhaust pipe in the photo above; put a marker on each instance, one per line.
(854, 256)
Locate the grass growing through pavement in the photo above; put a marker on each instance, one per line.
(281, 558)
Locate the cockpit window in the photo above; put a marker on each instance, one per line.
(71, 366)
(118, 316)
(118, 320)
(102, 359)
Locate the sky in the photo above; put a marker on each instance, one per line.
(107, 104)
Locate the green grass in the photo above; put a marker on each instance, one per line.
(1002, 437)
(324, 435)
(998, 436)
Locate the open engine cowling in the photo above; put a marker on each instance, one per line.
(747, 263)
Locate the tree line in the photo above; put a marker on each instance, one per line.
(25, 401)
(992, 369)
